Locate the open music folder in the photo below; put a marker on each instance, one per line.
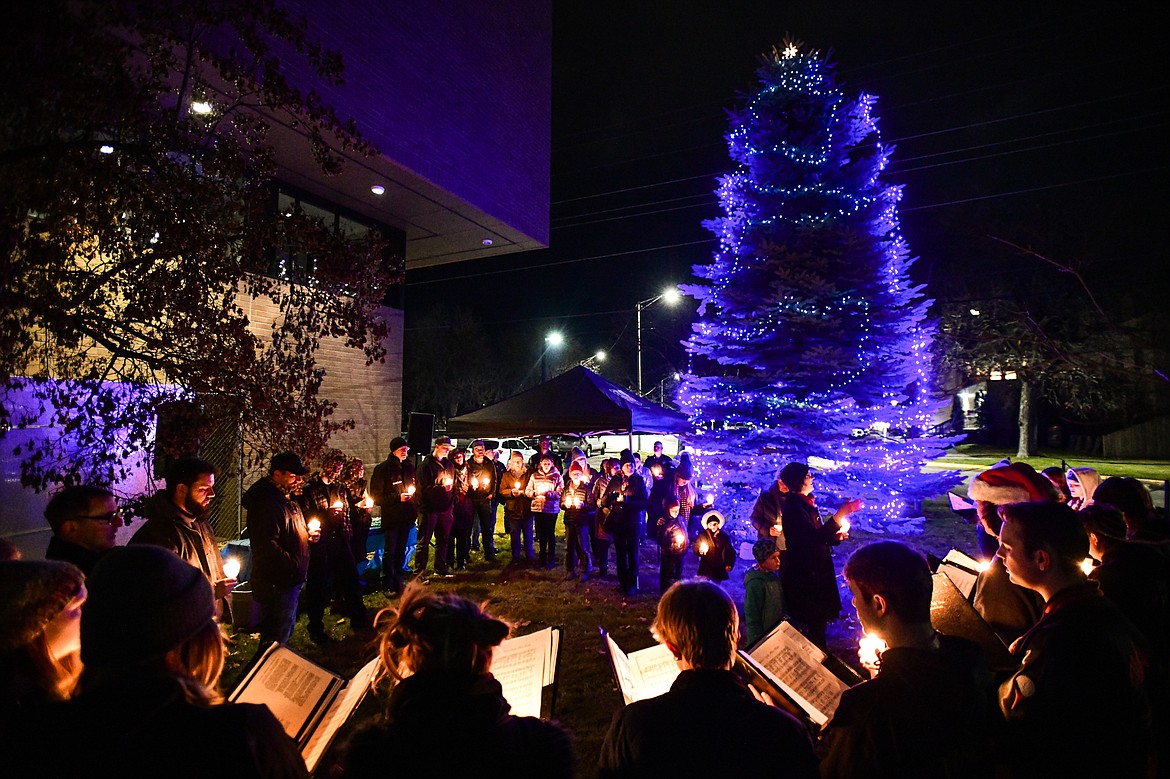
(798, 675)
(310, 701)
(526, 668)
(645, 673)
(962, 570)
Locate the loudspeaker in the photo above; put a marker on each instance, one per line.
(420, 434)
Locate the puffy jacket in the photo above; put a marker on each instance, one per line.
(544, 488)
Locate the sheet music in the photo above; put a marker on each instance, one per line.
(521, 665)
(621, 666)
(655, 669)
(793, 663)
(291, 686)
(338, 713)
(961, 570)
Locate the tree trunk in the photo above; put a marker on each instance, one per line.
(1026, 446)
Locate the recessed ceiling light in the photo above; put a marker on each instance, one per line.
(378, 189)
(487, 241)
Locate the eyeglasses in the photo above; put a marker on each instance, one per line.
(109, 519)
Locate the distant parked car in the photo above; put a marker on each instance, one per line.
(563, 444)
(505, 447)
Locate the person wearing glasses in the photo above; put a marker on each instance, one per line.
(85, 521)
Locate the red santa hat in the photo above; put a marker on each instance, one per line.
(1011, 483)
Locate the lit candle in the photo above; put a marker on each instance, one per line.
(710, 498)
(982, 565)
(845, 524)
(779, 527)
(231, 568)
(703, 547)
(314, 525)
(657, 471)
(447, 482)
(410, 490)
(1087, 565)
(367, 502)
(337, 505)
(869, 650)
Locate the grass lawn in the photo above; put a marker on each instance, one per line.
(534, 599)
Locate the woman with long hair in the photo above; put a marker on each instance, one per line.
(40, 634)
(446, 713)
(150, 703)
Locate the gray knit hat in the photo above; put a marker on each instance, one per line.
(143, 601)
(32, 593)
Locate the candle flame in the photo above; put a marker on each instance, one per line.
(337, 504)
(410, 490)
(231, 568)
(869, 650)
(1087, 565)
(711, 498)
(982, 565)
(703, 548)
(845, 525)
(314, 525)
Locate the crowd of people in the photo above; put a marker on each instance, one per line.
(1078, 588)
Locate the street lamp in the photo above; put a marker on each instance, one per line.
(593, 362)
(551, 341)
(670, 297)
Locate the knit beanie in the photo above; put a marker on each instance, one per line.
(626, 456)
(32, 593)
(143, 601)
(793, 475)
(396, 443)
(763, 549)
(685, 469)
(1011, 483)
(575, 467)
(577, 453)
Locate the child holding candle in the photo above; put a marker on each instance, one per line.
(580, 514)
(713, 546)
(544, 490)
(671, 533)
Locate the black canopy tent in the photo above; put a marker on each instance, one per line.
(577, 402)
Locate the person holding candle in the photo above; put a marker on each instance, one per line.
(177, 519)
(602, 535)
(280, 539)
(150, 703)
(927, 711)
(459, 547)
(625, 498)
(660, 465)
(808, 576)
(392, 486)
(435, 499)
(40, 635)
(331, 563)
(671, 534)
(445, 713)
(544, 491)
(768, 512)
(484, 477)
(709, 723)
(580, 514)
(713, 546)
(516, 514)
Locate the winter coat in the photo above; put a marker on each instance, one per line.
(463, 510)
(737, 735)
(191, 538)
(768, 510)
(462, 725)
(328, 503)
(1007, 607)
(485, 477)
(436, 486)
(720, 555)
(763, 603)
(392, 479)
(807, 573)
(279, 536)
(926, 714)
(544, 490)
(515, 506)
(152, 730)
(579, 503)
(69, 552)
(628, 514)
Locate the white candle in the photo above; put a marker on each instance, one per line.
(1087, 566)
(231, 568)
(703, 547)
(314, 525)
(410, 490)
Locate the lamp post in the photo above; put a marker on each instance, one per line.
(670, 297)
(594, 361)
(551, 341)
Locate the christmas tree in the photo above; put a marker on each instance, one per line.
(810, 342)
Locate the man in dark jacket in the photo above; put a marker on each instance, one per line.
(1078, 705)
(625, 498)
(927, 712)
(768, 512)
(482, 479)
(280, 541)
(435, 500)
(392, 487)
(85, 519)
(655, 737)
(176, 519)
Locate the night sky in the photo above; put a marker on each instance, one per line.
(1029, 122)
